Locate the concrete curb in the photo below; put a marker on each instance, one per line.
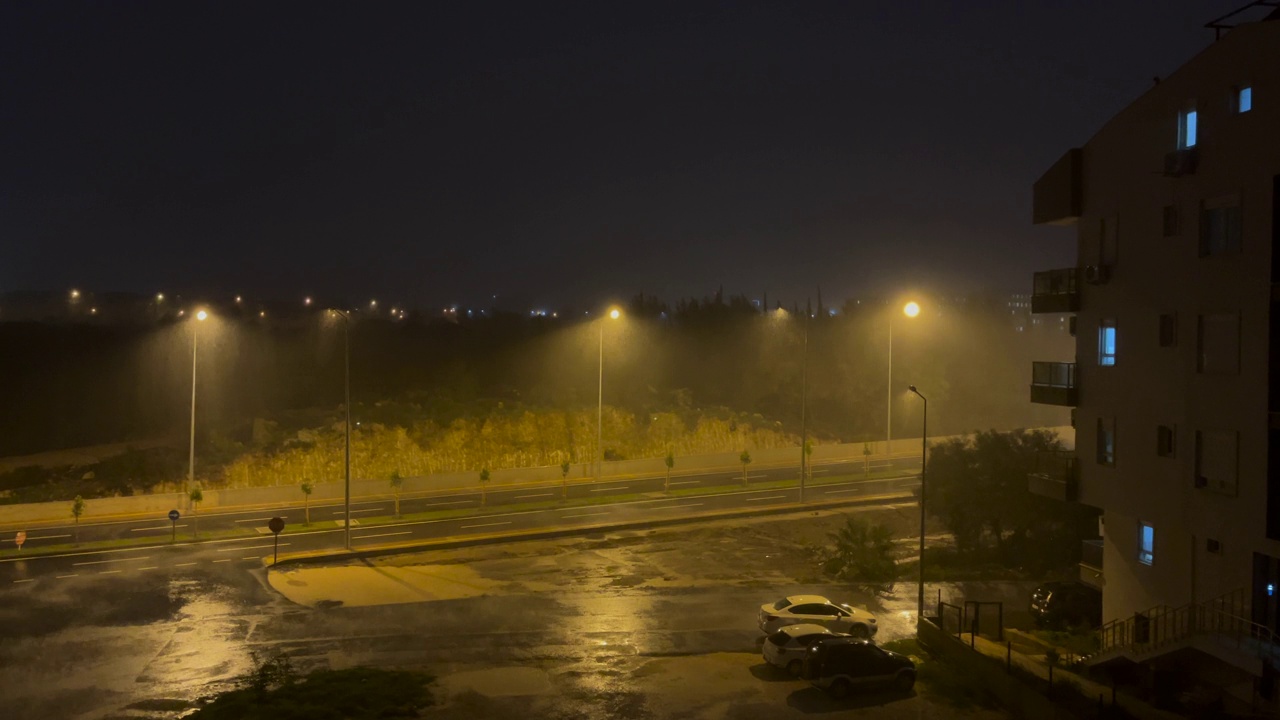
(496, 538)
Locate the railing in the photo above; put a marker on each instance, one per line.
(1091, 553)
(1055, 475)
(1055, 291)
(1053, 374)
(1222, 619)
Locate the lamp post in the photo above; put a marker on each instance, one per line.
(346, 383)
(924, 449)
(614, 314)
(201, 316)
(804, 408)
(911, 310)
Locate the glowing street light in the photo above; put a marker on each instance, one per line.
(614, 314)
(306, 301)
(911, 310)
(239, 299)
(201, 316)
(159, 297)
(75, 294)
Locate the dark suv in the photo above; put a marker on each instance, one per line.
(1060, 604)
(839, 665)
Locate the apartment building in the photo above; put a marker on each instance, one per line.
(1175, 387)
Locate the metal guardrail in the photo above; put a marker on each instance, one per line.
(1222, 619)
(1055, 282)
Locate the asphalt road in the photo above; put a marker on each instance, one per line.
(492, 519)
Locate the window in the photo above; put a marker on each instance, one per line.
(1220, 229)
(1107, 342)
(1106, 440)
(1146, 543)
(1244, 99)
(1218, 344)
(1172, 221)
(1166, 440)
(1168, 330)
(1187, 129)
(1217, 460)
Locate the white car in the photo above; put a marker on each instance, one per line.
(787, 647)
(817, 610)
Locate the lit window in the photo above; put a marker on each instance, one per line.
(1146, 543)
(1107, 343)
(1244, 99)
(1187, 129)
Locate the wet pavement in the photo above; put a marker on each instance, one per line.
(638, 624)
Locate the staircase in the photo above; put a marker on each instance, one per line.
(1219, 627)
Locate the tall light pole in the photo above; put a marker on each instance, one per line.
(804, 408)
(614, 314)
(924, 449)
(911, 310)
(346, 384)
(201, 316)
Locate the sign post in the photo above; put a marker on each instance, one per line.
(276, 525)
(20, 538)
(173, 518)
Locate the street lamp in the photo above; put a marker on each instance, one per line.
(924, 449)
(614, 314)
(346, 382)
(911, 310)
(201, 316)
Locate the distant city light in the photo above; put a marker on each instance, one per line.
(93, 311)
(159, 297)
(373, 303)
(181, 313)
(262, 313)
(238, 299)
(306, 301)
(75, 294)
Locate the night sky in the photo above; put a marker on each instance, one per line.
(435, 153)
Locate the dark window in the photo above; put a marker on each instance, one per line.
(1168, 330)
(1172, 221)
(810, 609)
(1166, 440)
(1217, 460)
(1106, 441)
(1218, 344)
(1220, 230)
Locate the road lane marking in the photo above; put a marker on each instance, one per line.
(850, 490)
(108, 572)
(184, 564)
(64, 577)
(45, 537)
(451, 502)
(166, 528)
(102, 562)
(255, 547)
(673, 507)
(522, 497)
(25, 580)
(282, 517)
(255, 557)
(769, 497)
(685, 482)
(466, 527)
(153, 567)
(353, 512)
(362, 537)
(624, 487)
(226, 560)
(585, 515)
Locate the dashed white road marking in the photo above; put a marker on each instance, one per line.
(226, 560)
(184, 564)
(25, 580)
(466, 527)
(673, 507)
(109, 572)
(254, 547)
(103, 562)
(451, 502)
(153, 567)
(767, 497)
(610, 489)
(282, 517)
(353, 512)
(585, 515)
(64, 577)
(166, 528)
(362, 537)
(523, 497)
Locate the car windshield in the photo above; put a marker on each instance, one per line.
(784, 602)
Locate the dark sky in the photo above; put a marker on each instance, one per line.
(440, 152)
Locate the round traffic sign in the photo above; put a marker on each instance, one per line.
(20, 538)
(276, 525)
(174, 515)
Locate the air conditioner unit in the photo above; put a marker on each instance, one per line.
(1180, 162)
(1097, 274)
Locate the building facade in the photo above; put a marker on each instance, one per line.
(1176, 381)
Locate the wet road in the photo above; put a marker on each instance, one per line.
(605, 625)
(365, 509)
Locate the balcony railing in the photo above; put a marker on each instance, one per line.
(1055, 476)
(1055, 291)
(1091, 563)
(1053, 383)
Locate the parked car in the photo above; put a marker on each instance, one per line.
(841, 665)
(1059, 604)
(787, 647)
(816, 610)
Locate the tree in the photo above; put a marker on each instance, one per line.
(484, 480)
(196, 496)
(564, 479)
(307, 487)
(977, 485)
(670, 462)
(745, 459)
(862, 553)
(77, 509)
(396, 483)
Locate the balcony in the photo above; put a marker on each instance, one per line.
(1053, 383)
(1055, 476)
(1091, 563)
(1057, 196)
(1055, 291)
